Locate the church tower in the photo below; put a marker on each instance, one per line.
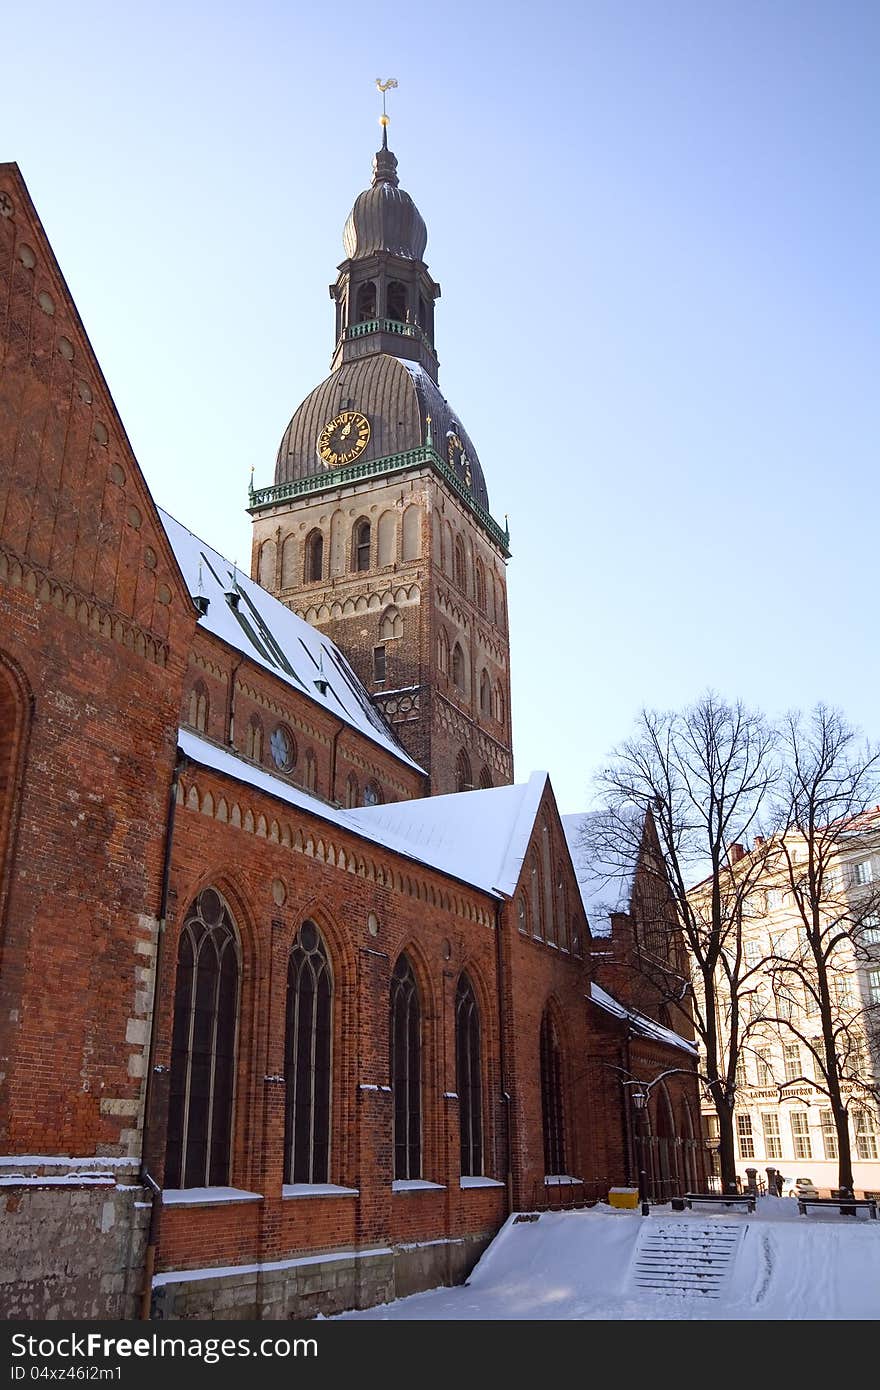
(377, 529)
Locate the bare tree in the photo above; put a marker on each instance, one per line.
(704, 774)
(825, 813)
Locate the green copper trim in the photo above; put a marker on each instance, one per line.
(403, 330)
(259, 498)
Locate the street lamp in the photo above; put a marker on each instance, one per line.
(640, 1105)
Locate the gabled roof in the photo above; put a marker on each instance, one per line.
(640, 1023)
(606, 879)
(275, 638)
(479, 836)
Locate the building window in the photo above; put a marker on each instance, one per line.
(468, 1078)
(842, 992)
(458, 667)
(866, 1135)
(772, 1137)
(712, 1126)
(547, 877)
(282, 748)
(521, 919)
(800, 1133)
(307, 1061)
(460, 571)
(254, 746)
(561, 914)
(361, 547)
(391, 625)
(485, 777)
(498, 704)
(314, 553)
(829, 1133)
(535, 897)
(443, 652)
(742, 1076)
(551, 1097)
(366, 302)
(792, 1061)
(395, 303)
(765, 1070)
(406, 1073)
(485, 694)
(378, 664)
(874, 986)
(463, 775)
(871, 929)
(752, 953)
(352, 791)
(863, 872)
(203, 1047)
(480, 576)
(198, 707)
(372, 795)
(744, 1136)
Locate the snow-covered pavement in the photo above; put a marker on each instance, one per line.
(582, 1265)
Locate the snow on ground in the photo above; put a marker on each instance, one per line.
(576, 1266)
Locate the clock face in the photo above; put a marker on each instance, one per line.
(458, 458)
(343, 439)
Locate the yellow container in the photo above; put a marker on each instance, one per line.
(623, 1197)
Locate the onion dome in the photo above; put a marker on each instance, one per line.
(384, 217)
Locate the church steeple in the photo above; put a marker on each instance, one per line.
(384, 294)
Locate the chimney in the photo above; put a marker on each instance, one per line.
(735, 853)
(759, 842)
(201, 602)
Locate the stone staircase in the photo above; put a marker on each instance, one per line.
(688, 1256)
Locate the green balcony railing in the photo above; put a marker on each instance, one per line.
(259, 498)
(403, 330)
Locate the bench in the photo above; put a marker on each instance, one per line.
(841, 1204)
(728, 1199)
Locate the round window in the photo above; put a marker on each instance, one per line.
(282, 748)
(371, 795)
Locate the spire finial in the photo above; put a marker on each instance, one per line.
(429, 436)
(384, 164)
(384, 118)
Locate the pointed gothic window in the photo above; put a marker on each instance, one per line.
(480, 576)
(460, 570)
(366, 301)
(307, 1059)
(485, 777)
(198, 707)
(485, 694)
(458, 673)
(199, 1142)
(463, 775)
(254, 747)
(468, 1078)
(396, 301)
(314, 558)
(405, 1049)
(352, 791)
(443, 652)
(361, 547)
(310, 771)
(551, 1097)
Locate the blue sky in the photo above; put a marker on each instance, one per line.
(655, 225)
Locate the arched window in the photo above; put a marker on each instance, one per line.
(480, 577)
(352, 791)
(412, 532)
(198, 707)
(372, 795)
(396, 301)
(366, 301)
(552, 1113)
(468, 1078)
(485, 777)
(307, 1059)
(485, 693)
(464, 780)
(458, 669)
(575, 937)
(498, 703)
(199, 1140)
(443, 652)
(460, 571)
(314, 568)
(288, 563)
(547, 875)
(561, 913)
(386, 541)
(15, 711)
(360, 547)
(535, 896)
(254, 747)
(266, 570)
(310, 771)
(391, 624)
(521, 919)
(405, 1048)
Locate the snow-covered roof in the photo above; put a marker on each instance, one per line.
(477, 837)
(480, 836)
(640, 1023)
(606, 884)
(267, 632)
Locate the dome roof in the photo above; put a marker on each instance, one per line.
(396, 397)
(384, 217)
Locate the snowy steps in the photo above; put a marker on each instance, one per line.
(685, 1257)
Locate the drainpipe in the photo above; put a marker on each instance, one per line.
(146, 1177)
(502, 1057)
(230, 705)
(333, 797)
(631, 1163)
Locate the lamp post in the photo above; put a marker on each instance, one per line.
(640, 1103)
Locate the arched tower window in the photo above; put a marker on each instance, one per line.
(561, 912)
(288, 562)
(199, 1140)
(480, 582)
(360, 547)
(15, 709)
(458, 670)
(552, 1112)
(405, 1048)
(443, 652)
(372, 795)
(198, 707)
(396, 301)
(307, 1061)
(459, 565)
(485, 694)
(314, 567)
(366, 301)
(391, 624)
(412, 532)
(547, 875)
(468, 1078)
(522, 921)
(535, 895)
(463, 776)
(266, 571)
(498, 703)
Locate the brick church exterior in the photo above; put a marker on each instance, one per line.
(300, 996)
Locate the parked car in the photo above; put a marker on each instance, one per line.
(799, 1187)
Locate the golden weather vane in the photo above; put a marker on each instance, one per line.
(383, 88)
